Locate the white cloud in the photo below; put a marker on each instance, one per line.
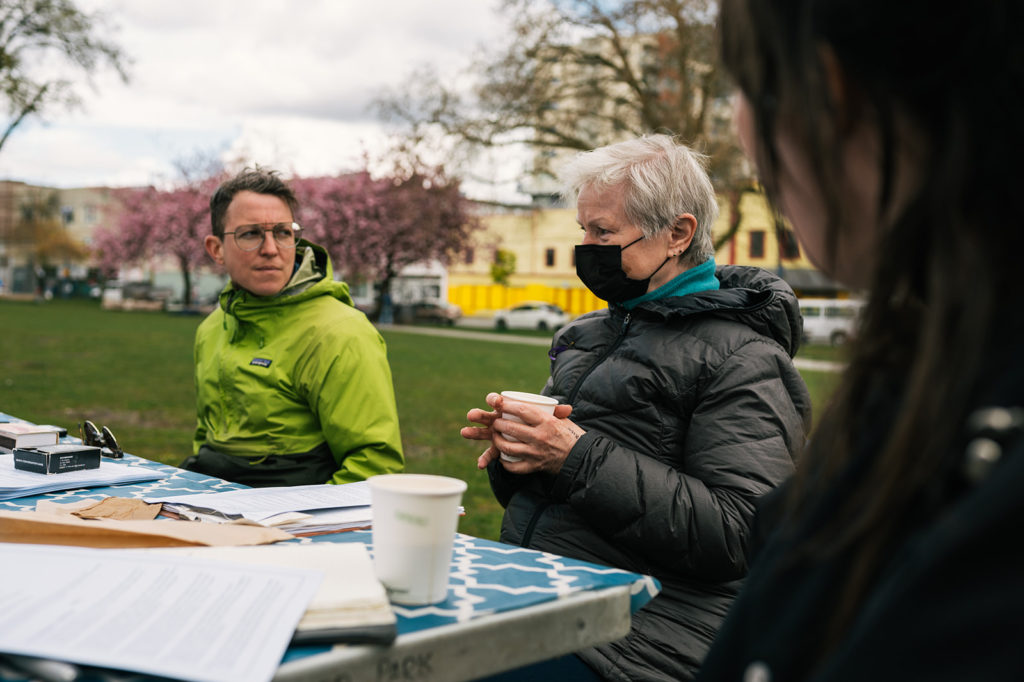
(286, 82)
(324, 146)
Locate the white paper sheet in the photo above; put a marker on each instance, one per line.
(257, 504)
(17, 483)
(181, 617)
(350, 588)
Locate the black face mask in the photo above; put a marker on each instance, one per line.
(599, 267)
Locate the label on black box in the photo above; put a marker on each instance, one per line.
(57, 459)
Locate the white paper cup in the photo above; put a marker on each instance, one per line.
(414, 522)
(537, 400)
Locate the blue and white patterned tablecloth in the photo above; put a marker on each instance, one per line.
(487, 577)
(490, 577)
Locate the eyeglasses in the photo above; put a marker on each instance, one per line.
(250, 237)
(102, 439)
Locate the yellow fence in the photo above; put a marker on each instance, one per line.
(482, 298)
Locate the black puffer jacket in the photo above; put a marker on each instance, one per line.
(946, 603)
(693, 409)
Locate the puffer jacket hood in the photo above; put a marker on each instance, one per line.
(752, 296)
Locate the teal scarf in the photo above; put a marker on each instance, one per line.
(700, 278)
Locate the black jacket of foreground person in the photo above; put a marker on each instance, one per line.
(693, 410)
(947, 604)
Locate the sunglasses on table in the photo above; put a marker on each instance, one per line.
(101, 438)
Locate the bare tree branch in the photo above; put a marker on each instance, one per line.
(33, 29)
(578, 74)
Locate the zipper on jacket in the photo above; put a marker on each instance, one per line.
(528, 533)
(604, 356)
(535, 518)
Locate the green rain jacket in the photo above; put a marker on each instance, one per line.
(284, 374)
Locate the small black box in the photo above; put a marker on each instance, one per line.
(57, 459)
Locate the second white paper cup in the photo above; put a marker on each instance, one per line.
(537, 400)
(414, 522)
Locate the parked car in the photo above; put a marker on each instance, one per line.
(829, 320)
(531, 315)
(428, 313)
(118, 295)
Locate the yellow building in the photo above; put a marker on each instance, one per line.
(543, 239)
(757, 241)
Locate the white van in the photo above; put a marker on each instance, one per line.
(829, 320)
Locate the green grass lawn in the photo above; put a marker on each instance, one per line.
(822, 352)
(65, 361)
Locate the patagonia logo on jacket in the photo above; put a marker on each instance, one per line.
(260, 362)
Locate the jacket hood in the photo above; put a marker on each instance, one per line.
(314, 277)
(754, 296)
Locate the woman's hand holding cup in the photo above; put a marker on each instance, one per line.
(541, 402)
(546, 440)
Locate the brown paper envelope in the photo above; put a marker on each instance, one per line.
(59, 529)
(123, 508)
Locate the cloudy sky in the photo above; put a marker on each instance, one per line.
(282, 82)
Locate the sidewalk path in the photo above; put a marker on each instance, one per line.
(494, 337)
(818, 365)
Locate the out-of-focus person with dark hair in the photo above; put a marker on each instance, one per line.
(890, 134)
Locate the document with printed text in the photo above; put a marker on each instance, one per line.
(181, 617)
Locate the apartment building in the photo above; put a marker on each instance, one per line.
(45, 236)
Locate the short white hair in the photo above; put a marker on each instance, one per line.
(662, 180)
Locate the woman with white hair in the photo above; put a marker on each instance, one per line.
(685, 408)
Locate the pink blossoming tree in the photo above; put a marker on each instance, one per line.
(160, 224)
(374, 227)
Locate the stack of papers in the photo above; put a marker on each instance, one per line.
(300, 510)
(178, 617)
(350, 606)
(15, 483)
